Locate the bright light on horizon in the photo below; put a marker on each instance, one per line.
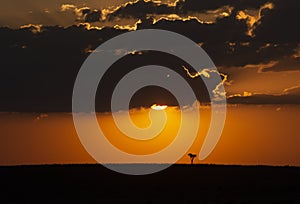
(158, 107)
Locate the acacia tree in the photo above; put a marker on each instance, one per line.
(192, 157)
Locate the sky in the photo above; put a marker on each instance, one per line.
(254, 44)
(253, 135)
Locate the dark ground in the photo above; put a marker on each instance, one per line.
(177, 184)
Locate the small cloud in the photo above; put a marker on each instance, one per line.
(89, 49)
(46, 10)
(41, 116)
(83, 14)
(92, 16)
(120, 52)
(244, 94)
(285, 63)
(175, 17)
(253, 19)
(219, 93)
(292, 90)
(128, 27)
(174, 3)
(34, 28)
(261, 66)
(66, 7)
(265, 99)
(135, 52)
(88, 26)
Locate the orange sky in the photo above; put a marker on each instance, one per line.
(252, 135)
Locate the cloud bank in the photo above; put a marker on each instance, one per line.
(40, 62)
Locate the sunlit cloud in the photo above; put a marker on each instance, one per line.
(88, 26)
(244, 94)
(89, 49)
(253, 17)
(267, 45)
(83, 14)
(65, 7)
(261, 66)
(110, 10)
(34, 28)
(173, 3)
(159, 10)
(286, 63)
(175, 17)
(158, 2)
(223, 11)
(218, 94)
(207, 17)
(100, 17)
(292, 90)
(128, 27)
(203, 72)
(249, 79)
(135, 52)
(46, 10)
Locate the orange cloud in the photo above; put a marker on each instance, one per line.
(244, 94)
(292, 90)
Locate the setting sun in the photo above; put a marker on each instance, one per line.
(158, 107)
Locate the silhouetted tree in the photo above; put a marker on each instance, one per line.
(192, 157)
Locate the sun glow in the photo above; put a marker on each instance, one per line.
(158, 107)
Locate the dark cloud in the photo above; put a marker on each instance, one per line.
(285, 64)
(280, 25)
(265, 99)
(92, 16)
(38, 70)
(273, 36)
(140, 9)
(295, 90)
(226, 41)
(84, 11)
(83, 14)
(226, 29)
(39, 64)
(203, 5)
